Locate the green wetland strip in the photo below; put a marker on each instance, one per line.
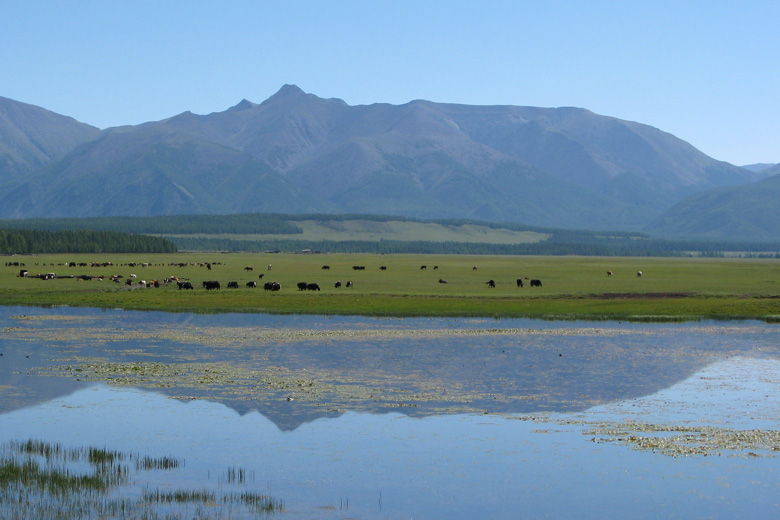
(668, 289)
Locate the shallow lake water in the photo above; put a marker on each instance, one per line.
(348, 417)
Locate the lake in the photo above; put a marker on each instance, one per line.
(351, 417)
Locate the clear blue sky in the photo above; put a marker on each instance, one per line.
(705, 71)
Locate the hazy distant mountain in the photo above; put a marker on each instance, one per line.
(296, 152)
(749, 212)
(32, 137)
(758, 167)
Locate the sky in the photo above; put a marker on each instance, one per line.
(707, 72)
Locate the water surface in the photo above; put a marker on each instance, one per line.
(465, 419)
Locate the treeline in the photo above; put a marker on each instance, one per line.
(270, 224)
(560, 242)
(264, 224)
(605, 248)
(34, 241)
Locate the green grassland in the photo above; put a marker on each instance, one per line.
(375, 230)
(573, 287)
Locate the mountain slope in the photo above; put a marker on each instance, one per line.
(144, 172)
(297, 153)
(32, 137)
(749, 212)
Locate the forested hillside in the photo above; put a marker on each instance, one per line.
(277, 232)
(28, 241)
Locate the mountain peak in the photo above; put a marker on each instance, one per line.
(287, 92)
(244, 104)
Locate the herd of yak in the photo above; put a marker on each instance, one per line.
(215, 285)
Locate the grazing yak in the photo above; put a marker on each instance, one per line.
(639, 274)
(491, 283)
(184, 285)
(337, 285)
(325, 267)
(251, 285)
(519, 282)
(272, 286)
(536, 283)
(302, 286)
(313, 287)
(232, 285)
(349, 283)
(212, 284)
(442, 280)
(609, 273)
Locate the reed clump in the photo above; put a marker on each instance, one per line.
(40, 479)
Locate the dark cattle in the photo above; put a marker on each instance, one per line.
(260, 277)
(212, 284)
(313, 287)
(184, 285)
(358, 268)
(337, 285)
(609, 273)
(423, 267)
(639, 274)
(271, 286)
(84, 277)
(349, 283)
(251, 285)
(248, 268)
(435, 267)
(491, 283)
(325, 267)
(536, 283)
(232, 285)
(23, 273)
(474, 268)
(442, 280)
(383, 268)
(519, 282)
(302, 286)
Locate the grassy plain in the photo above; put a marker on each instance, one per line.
(573, 287)
(374, 230)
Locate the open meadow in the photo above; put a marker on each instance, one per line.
(448, 285)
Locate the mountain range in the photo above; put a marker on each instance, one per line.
(299, 153)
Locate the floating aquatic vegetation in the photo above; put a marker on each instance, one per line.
(686, 441)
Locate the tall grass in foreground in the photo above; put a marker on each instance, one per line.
(40, 480)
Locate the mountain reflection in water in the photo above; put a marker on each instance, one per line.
(458, 466)
(348, 417)
(296, 369)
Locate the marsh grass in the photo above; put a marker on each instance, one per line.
(46, 480)
(573, 287)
